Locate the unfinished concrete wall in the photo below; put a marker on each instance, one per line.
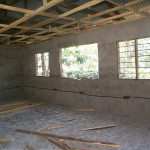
(11, 72)
(107, 85)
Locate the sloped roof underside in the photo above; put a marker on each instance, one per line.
(24, 21)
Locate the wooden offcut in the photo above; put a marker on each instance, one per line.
(50, 127)
(101, 127)
(6, 139)
(57, 144)
(20, 107)
(83, 109)
(73, 139)
(12, 104)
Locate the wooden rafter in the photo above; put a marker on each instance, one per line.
(75, 26)
(22, 10)
(30, 15)
(91, 23)
(86, 5)
(98, 22)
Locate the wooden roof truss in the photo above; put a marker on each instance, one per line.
(49, 28)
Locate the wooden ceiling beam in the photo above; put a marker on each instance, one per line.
(79, 8)
(14, 36)
(8, 19)
(89, 29)
(44, 2)
(24, 27)
(86, 11)
(95, 15)
(22, 10)
(110, 5)
(107, 25)
(74, 30)
(86, 5)
(30, 15)
(97, 23)
(101, 13)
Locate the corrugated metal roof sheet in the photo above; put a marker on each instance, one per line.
(103, 7)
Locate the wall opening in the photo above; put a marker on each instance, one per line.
(80, 62)
(134, 59)
(42, 64)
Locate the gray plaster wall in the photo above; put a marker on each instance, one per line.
(11, 72)
(107, 85)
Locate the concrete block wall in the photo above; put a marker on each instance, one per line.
(11, 72)
(107, 85)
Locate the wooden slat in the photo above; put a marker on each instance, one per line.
(6, 139)
(98, 14)
(83, 109)
(59, 144)
(79, 28)
(13, 107)
(23, 107)
(30, 15)
(50, 127)
(13, 104)
(80, 140)
(63, 143)
(101, 127)
(24, 27)
(4, 116)
(44, 2)
(22, 10)
(51, 141)
(79, 148)
(93, 28)
(88, 4)
(102, 20)
(14, 36)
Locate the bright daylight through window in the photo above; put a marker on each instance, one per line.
(134, 59)
(80, 62)
(42, 64)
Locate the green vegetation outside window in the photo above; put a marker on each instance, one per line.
(42, 64)
(80, 62)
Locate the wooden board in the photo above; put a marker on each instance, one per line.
(98, 128)
(12, 104)
(83, 109)
(73, 139)
(6, 139)
(23, 107)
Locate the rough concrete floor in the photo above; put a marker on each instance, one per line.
(131, 134)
